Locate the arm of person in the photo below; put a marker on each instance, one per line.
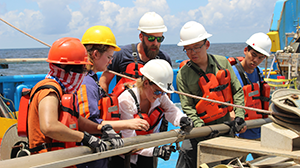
(49, 124)
(105, 80)
(188, 104)
(173, 114)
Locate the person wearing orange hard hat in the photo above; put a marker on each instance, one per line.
(60, 126)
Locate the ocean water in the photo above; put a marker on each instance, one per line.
(175, 52)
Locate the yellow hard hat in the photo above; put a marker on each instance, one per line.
(100, 35)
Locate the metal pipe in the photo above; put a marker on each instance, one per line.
(82, 154)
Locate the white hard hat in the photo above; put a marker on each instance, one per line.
(192, 32)
(261, 43)
(152, 22)
(160, 72)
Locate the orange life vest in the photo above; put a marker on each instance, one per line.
(132, 70)
(108, 105)
(232, 60)
(68, 115)
(183, 63)
(215, 87)
(256, 95)
(152, 118)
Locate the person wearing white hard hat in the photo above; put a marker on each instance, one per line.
(133, 56)
(250, 75)
(148, 100)
(209, 76)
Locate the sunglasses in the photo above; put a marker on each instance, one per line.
(157, 92)
(152, 38)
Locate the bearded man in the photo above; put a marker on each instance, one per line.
(132, 57)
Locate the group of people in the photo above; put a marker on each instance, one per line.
(144, 106)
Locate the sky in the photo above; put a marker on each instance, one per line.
(229, 21)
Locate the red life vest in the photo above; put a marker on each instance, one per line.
(132, 70)
(68, 115)
(256, 95)
(152, 118)
(215, 87)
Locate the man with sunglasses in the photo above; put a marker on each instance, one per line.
(132, 57)
(209, 76)
(249, 74)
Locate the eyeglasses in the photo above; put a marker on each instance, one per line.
(152, 38)
(197, 49)
(110, 57)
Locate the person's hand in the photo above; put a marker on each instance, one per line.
(138, 124)
(164, 151)
(186, 124)
(108, 134)
(238, 125)
(96, 144)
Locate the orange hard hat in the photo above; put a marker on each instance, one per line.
(68, 50)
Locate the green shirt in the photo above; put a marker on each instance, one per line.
(187, 82)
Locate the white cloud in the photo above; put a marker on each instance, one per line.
(227, 20)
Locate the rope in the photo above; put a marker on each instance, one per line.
(25, 33)
(216, 101)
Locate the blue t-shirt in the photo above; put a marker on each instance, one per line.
(254, 78)
(124, 57)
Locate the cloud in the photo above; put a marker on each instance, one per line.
(227, 20)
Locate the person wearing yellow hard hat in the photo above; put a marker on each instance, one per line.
(53, 122)
(209, 76)
(100, 44)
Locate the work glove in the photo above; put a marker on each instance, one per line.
(164, 151)
(108, 134)
(96, 144)
(236, 125)
(186, 124)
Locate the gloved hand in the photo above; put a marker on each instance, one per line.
(236, 125)
(96, 144)
(186, 124)
(108, 134)
(164, 151)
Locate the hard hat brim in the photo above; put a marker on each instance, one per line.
(193, 41)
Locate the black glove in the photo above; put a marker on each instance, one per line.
(164, 152)
(236, 125)
(108, 134)
(96, 144)
(186, 124)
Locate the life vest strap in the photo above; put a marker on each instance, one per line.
(218, 88)
(47, 146)
(70, 111)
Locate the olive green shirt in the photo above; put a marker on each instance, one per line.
(187, 82)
